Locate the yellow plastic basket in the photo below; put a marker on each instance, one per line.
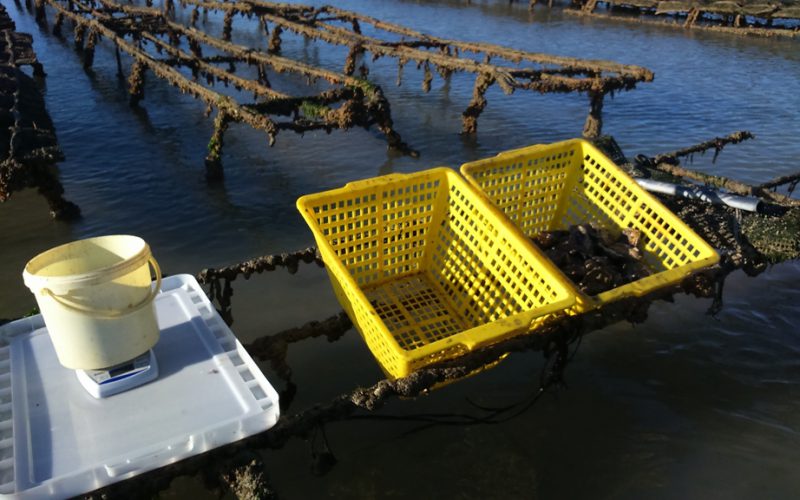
(554, 186)
(428, 269)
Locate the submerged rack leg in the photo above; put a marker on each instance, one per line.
(57, 24)
(275, 41)
(88, 52)
(691, 18)
(214, 170)
(79, 32)
(136, 83)
(52, 190)
(119, 62)
(380, 110)
(594, 121)
(40, 14)
(476, 105)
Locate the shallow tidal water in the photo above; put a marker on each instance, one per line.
(684, 405)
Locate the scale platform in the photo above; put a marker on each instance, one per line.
(57, 440)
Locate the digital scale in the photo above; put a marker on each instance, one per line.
(106, 382)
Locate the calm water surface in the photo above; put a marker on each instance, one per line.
(682, 406)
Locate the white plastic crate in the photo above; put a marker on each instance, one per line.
(56, 440)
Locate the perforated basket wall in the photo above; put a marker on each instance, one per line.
(554, 186)
(427, 269)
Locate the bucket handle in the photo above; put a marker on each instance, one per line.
(111, 314)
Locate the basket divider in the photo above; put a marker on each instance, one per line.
(573, 184)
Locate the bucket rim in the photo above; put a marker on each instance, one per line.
(62, 284)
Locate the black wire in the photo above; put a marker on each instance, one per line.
(422, 417)
(538, 394)
(490, 408)
(550, 375)
(577, 346)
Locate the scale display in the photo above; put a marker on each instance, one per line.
(122, 377)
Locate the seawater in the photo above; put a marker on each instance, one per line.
(685, 405)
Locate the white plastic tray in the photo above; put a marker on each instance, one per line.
(56, 440)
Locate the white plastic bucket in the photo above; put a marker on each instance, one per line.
(96, 298)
